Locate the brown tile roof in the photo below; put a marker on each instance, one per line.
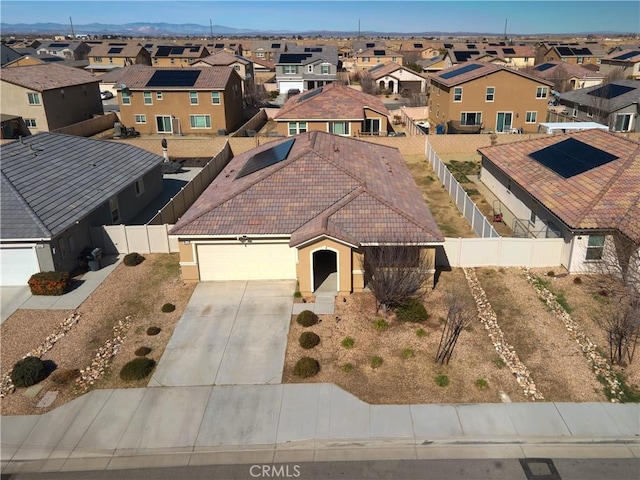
(390, 67)
(336, 101)
(356, 191)
(223, 58)
(630, 59)
(564, 70)
(605, 197)
(47, 76)
(216, 78)
(485, 68)
(370, 52)
(129, 49)
(264, 63)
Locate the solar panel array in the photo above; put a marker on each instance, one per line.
(612, 90)
(174, 78)
(448, 45)
(627, 55)
(219, 45)
(509, 51)
(461, 70)
(293, 57)
(544, 66)
(379, 52)
(572, 157)
(568, 51)
(463, 56)
(471, 46)
(311, 94)
(58, 45)
(194, 49)
(275, 45)
(313, 49)
(492, 52)
(115, 50)
(266, 158)
(370, 45)
(417, 45)
(117, 44)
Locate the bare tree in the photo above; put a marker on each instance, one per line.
(395, 273)
(614, 75)
(459, 316)
(367, 83)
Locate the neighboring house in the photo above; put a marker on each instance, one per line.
(514, 56)
(418, 49)
(109, 55)
(304, 208)
(479, 95)
(435, 64)
(334, 108)
(264, 70)
(54, 187)
(268, 50)
(241, 65)
(398, 79)
(234, 48)
(625, 63)
(8, 55)
(305, 68)
(177, 55)
(50, 96)
(65, 50)
(12, 126)
(40, 59)
(614, 104)
(457, 57)
(580, 54)
(373, 57)
(580, 187)
(566, 76)
(180, 100)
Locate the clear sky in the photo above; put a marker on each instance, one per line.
(383, 16)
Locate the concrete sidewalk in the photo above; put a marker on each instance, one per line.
(178, 426)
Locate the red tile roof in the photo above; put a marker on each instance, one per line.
(349, 189)
(46, 76)
(605, 197)
(210, 78)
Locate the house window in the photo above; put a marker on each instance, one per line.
(297, 127)
(155, 61)
(575, 112)
(200, 121)
(290, 69)
(339, 128)
(215, 98)
(310, 68)
(598, 60)
(34, 98)
(139, 187)
(236, 68)
(110, 59)
(114, 211)
(541, 92)
(30, 122)
(164, 124)
(260, 54)
(372, 125)
(148, 99)
(377, 59)
(531, 117)
(457, 94)
(590, 113)
(158, 95)
(580, 60)
(595, 247)
(471, 118)
(622, 122)
(325, 70)
(173, 61)
(126, 98)
(394, 59)
(97, 59)
(490, 94)
(193, 98)
(365, 59)
(141, 118)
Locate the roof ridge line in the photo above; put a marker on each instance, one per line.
(25, 204)
(397, 210)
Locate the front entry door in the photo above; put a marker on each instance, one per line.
(164, 124)
(503, 123)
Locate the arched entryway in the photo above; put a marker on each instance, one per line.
(391, 86)
(325, 271)
(381, 84)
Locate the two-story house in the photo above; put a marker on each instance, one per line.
(240, 64)
(305, 68)
(268, 49)
(177, 55)
(625, 63)
(480, 95)
(8, 55)
(50, 96)
(515, 56)
(232, 47)
(108, 55)
(180, 101)
(373, 57)
(65, 50)
(567, 76)
(580, 54)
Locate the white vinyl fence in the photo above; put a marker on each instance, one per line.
(479, 223)
(116, 239)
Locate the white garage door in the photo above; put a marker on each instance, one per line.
(17, 265)
(253, 261)
(286, 86)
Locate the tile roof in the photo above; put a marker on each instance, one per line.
(51, 180)
(563, 70)
(178, 51)
(629, 56)
(46, 76)
(356, 191)
(214, 77)
(223, 58)
(264, 63)
(110, 49)
(336, 101)
(605, 197)
(383, 52)
(309, 54)
(484, 69)
(582, 96)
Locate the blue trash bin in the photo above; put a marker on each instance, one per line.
(440, 129)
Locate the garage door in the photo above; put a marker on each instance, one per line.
(286, 86)
(253, 261)
(17, 265)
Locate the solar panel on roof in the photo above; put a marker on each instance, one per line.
(417, 45)
(611, 90)
(194, 49)
(502, 44)
(370, 45)
(266, 158)
(471, 46)
(624, 56)
(572, 157)
(293, 57)
(544, 66)
(117, 44)
(58, 45)
(461, 70)
(148, 45)
(379, 52)
(509, 51)
(115, 50)
(564, 51)
(492, 52)
(173, 78)
(463, 56)
(311, 94)
(163, 51)
(448, 45)
(313, 49)
(275, 45)
(219, 45)
(581, 51)
(176, 51)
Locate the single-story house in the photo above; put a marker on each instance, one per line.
(582, 187)
(304, 208)
(55, 187)
(398, 79)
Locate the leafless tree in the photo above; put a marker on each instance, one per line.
(614, 75)
(367, 83)
(460, 314)
(395, 273)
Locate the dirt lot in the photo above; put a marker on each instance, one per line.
(138, 291)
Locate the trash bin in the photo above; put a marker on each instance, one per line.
(96, 256)
(440, 129)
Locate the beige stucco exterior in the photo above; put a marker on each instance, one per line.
(356, 126)
(142, 57)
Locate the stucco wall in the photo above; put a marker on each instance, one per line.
(305, 265)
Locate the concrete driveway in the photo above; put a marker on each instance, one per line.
(230, 333)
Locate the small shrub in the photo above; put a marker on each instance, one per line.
(153, 331)
(498, 362)
(137, 369)
(49, 283)
(28, 371)
(421, 332)
(408, 353)
(562, 301)
(297, 294)
(142, 351)
(309, 340)
(348, 342)
(347, 367)
(603, 293)
(442, 380)
(412, 311)
(481, 383)
(306, 367)
(380, 324)
(376, 361)
(577, 281)
(64, 377)
(551, 273)
(307, 318)
(168, 307)
(133, 259)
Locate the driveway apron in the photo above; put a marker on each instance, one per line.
(231, 333)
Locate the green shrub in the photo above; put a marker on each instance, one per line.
(348, 342)
(442, 380)
(153, 331)
(347, 367)
(421, 332)
(297, 294)
(551, 273)
(64, 377)
(306, 367)
(498, 362)
(307, 318)
(380, 324)
(168, 307)
(142, 351)
(577, 280)
(133, 259)
(481, 383)
(408, 353)
(28, 371)
(309, 340)
(137, 369)
(376, 361)
(412, 310)
(50, 283)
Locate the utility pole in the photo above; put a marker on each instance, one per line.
(358, 29)
(73, 35)
(505, 28)
(211, 29)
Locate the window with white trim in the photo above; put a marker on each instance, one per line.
(97, 59)
(215, 98)
(490, 94)
(141, 118)
(339, 128)
(126, 98)
(297, 127)
(34, 98)
(158, 95)
(193, 98)
(31, 122)
(290, 69)
(622, 122)
(148, 99)
(325, 70)
(139, 187)
(531, 117)
(236, 68)
(595, 247)
(260, 54)
(471, 118)
(365, 59)
(541, 92)
(310, 68)
(457, 94)
(200, 121)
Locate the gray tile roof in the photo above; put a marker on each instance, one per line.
(51, 180)
(582, 97)
(47, 76)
